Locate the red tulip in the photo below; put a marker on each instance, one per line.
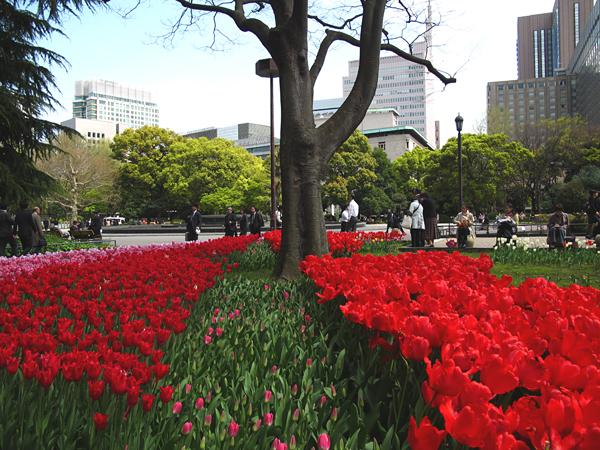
(166, 393)
(426, 437)
(101, 421)
(161, 370)
(96, 389)
(446, 378)
(147, 400)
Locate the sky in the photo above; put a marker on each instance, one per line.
(198, 88)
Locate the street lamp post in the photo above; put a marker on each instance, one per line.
(267, 68)
(459, 125)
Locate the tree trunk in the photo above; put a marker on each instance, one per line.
(74, 210)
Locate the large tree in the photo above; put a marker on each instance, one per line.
(84, 171)
(26, 84)
(284, 28)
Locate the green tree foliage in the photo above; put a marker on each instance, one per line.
(26, 84)
(351, 168)
(374, 201)
(410, 169)
(143, 155)
(487, 168)
(85, 173)
(216, 174)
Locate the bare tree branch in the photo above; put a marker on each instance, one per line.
(337, 27)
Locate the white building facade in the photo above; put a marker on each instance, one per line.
(110, 101)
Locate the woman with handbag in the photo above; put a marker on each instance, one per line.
(417, 227)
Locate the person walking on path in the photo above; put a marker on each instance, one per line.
(243, 222)
(194, 226)
(430, 216)
(390, 220)
(230, 223)
(39, 231)
(24, 227)
(418, 223)
(96, 225)
(6, 231)
(353, 212)
(256, 221)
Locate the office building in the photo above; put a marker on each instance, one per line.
(404, 86)
(585, 69)
(253, 137)
(114, 102)
(546, 42)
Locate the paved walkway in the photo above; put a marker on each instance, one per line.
(489, 242)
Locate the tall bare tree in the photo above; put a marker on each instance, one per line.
(287, 29)
(84, 171)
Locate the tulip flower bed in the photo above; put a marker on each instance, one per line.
(345, 244)
(470, 359)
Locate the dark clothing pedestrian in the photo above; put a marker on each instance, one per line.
(243, 224)
(6, 234)
(194, 226)
(256, 223)
(24, 227)
(390, 220)
(96, 225)
(430, 216)
(46, 224)
(230, 225)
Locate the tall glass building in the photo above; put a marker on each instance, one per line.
(111, 101)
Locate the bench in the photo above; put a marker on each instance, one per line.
(83, 234)
(57, 233)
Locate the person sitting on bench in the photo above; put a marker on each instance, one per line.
(557, 228)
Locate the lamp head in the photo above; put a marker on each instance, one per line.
(459, 122)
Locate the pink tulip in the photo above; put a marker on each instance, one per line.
(293, 442)
(296, 415)
(275, 444)
(188, 389)
(207, 340)
(208, 420)
(334, 414)
(309, 362)
(210, 330)
(186, 428)
(257, 425)
(199, 403)
(268, 419)
(274, 369)
(177, 408)
(282, 446)
(307, 318)
(295, 389)
(219, 331)
(233, 429)
(268, 396)
(324, 442)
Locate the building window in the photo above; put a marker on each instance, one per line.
(536, 54)
(531, 85)
(543, 45)
(531, 108)
(500, 87)
(89, 134)
(521, 85)
(562, 82)
(576, 13)
(501, 103)
(511, 86)
(551, 83)
(381, 145)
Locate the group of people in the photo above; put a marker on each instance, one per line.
(27, 225)
(233, 226)
(349, 217)
(423, 226)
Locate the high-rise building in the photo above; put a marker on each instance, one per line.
(253, 137)
(546, 42)
(114, 102)
(404, 86)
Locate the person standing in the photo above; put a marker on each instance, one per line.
(24, 227)
(278, 218)
(39, 232)
(390, 220)
(243, 222)
(256, 222)
(230, 223)
(345, 218)
(353, 213)
(96, 225)
(7, 235)
(430, 216)
(591, 212)
(194, 226)
(418, 223)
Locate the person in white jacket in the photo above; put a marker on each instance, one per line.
(417, 228)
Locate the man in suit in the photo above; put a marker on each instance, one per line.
(243, 222)
(230, 223)
(256, 221)
(194, 226)
(24, 227)
(39, 231)
(6, 231)
(96, 225)
(390, 220)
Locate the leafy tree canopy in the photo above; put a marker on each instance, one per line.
(410, 169)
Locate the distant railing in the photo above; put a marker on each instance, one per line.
(447, 230)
